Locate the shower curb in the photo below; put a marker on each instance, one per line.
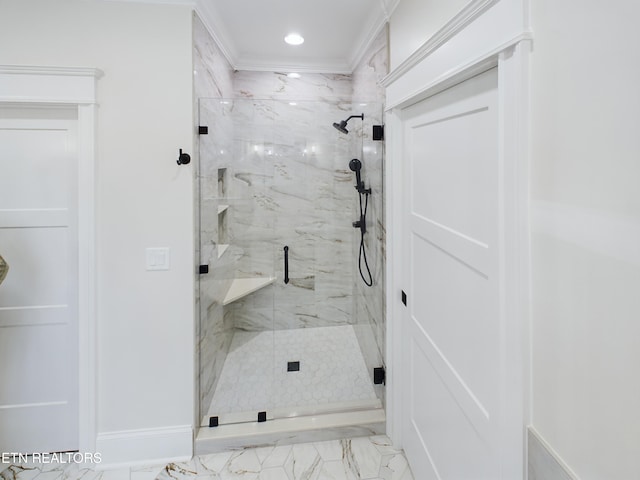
(287, 431)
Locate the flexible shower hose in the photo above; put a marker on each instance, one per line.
(363, 253)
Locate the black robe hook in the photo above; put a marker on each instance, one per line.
(184, 158)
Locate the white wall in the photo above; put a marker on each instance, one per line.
(145, 319)
(414, 21)
(586, 234)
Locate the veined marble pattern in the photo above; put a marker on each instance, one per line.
(369, 302)
(373, 67)
(255, 377)
(290, 185)
(276, 85)
(364, 458)
(213, 77)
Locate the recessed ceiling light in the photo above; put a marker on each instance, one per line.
(293, 75)
(294, 39)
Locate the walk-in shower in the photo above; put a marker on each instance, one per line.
(286, 327)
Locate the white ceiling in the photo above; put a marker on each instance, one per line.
(336, 32)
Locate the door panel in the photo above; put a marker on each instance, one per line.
(455, 309)
(446, 180)
(453, 336)
(39, 299)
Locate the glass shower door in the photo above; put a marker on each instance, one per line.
(287, 325)
(320, 340)
(236, 295)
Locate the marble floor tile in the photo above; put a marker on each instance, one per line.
(362, 458)
(150, 472)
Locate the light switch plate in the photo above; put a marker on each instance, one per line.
(158, 258)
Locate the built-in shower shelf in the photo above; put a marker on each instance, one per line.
(241, 287)
(222, 208)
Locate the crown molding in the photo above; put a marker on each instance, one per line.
(286, 65)
(209, 16)
(30, 84)
(469, 13)
(58, 71)
(367, 38)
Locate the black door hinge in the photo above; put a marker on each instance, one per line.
(262, 416)
(213, 422)
(378, 132)
(203, 269)
(378, 375)
(203, 130)
(404, 298)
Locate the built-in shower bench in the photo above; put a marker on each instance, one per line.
(241, 287)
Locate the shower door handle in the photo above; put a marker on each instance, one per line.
(286, 264)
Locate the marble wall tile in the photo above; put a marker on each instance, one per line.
(289, 189)
(373, 67)
(369, 302)
(213, 75)
(310, 86)
(212, 82)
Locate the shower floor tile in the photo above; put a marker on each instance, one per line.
(256, 375)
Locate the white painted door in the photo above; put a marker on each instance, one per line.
(453, 329)
(39, 297)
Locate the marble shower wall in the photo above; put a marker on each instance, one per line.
(369, 302)
(213, 78)
(293, 187)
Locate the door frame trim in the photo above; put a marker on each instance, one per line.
(512, 60)
(24, 85)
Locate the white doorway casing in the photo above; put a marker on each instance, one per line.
(484, 35)
(71, 88)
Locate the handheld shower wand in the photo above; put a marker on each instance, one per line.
(355, 166)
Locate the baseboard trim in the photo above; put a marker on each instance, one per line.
(143, 447)
(544, 463)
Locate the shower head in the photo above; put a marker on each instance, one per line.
(342, 126)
